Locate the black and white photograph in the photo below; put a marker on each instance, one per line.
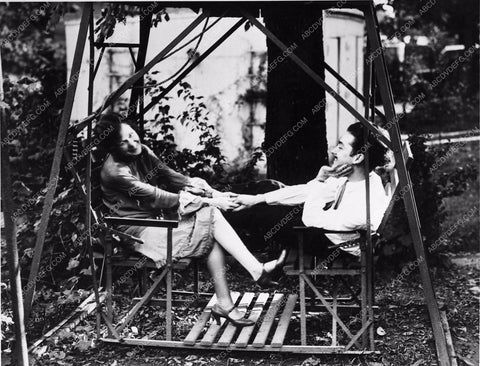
(240, 183)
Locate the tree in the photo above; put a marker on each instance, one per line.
(294, 154)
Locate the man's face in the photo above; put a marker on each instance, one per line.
(342, 153)
(129, 145)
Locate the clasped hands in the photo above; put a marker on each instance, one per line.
(228, 201)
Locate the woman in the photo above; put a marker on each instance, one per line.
(135, 183)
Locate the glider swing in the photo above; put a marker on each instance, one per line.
(271, 311)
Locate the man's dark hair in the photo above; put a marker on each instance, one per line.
(107, 130)
(376, 150)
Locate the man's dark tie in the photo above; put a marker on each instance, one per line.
(337, 199)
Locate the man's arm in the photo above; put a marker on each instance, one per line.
(288, 196)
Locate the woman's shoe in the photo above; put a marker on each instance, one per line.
(218, 312)
(265, 279)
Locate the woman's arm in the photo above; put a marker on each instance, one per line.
(120, 179)
(164, 174)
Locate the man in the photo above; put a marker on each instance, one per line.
(336, 198)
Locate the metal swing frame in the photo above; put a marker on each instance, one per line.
(394, 143)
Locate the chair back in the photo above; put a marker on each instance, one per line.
(392, 188)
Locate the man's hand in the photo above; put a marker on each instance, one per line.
(336, 172)
(246, 201)
(222, 203)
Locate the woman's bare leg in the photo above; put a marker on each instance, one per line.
(231, 242)
(216, 265)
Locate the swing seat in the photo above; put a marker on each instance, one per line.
(113, 250)
(307, 267)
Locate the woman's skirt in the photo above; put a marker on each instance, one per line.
(192, 238)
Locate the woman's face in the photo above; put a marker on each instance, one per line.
(129, 145)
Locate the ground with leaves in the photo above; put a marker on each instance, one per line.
(404, 335)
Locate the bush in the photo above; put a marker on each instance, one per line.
(207, 161)
(457, 176)
(434, 189)
(448, 112)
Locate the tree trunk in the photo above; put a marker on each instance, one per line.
(295, 132)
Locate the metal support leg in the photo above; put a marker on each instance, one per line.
(334, 321)
(108, 280)
(196, 280)
(169, 286)
(405, 182)
(57, 156)
(301, 268)
(364, 293)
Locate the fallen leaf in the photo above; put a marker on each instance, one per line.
(475, 290)
(39, 351)
(58, 354)
(83, 345)
(381, 331)
(73, 263)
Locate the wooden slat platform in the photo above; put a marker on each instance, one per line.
(272, 314)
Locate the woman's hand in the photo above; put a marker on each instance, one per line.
(197, 191)
(216, 194)
(222, 203)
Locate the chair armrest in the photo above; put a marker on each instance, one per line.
(141, 222)
(312, 228)
(121, 234)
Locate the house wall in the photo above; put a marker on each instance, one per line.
(226, 78)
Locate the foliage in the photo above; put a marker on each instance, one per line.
(34, 70)
(444, 114)
(114, 13)
(447, 104)
(458, 177)
(433, 189)
(459, 18)
(207, 160)
(458, 181)
(451, 102)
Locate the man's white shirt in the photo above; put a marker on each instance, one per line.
(350, 213)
